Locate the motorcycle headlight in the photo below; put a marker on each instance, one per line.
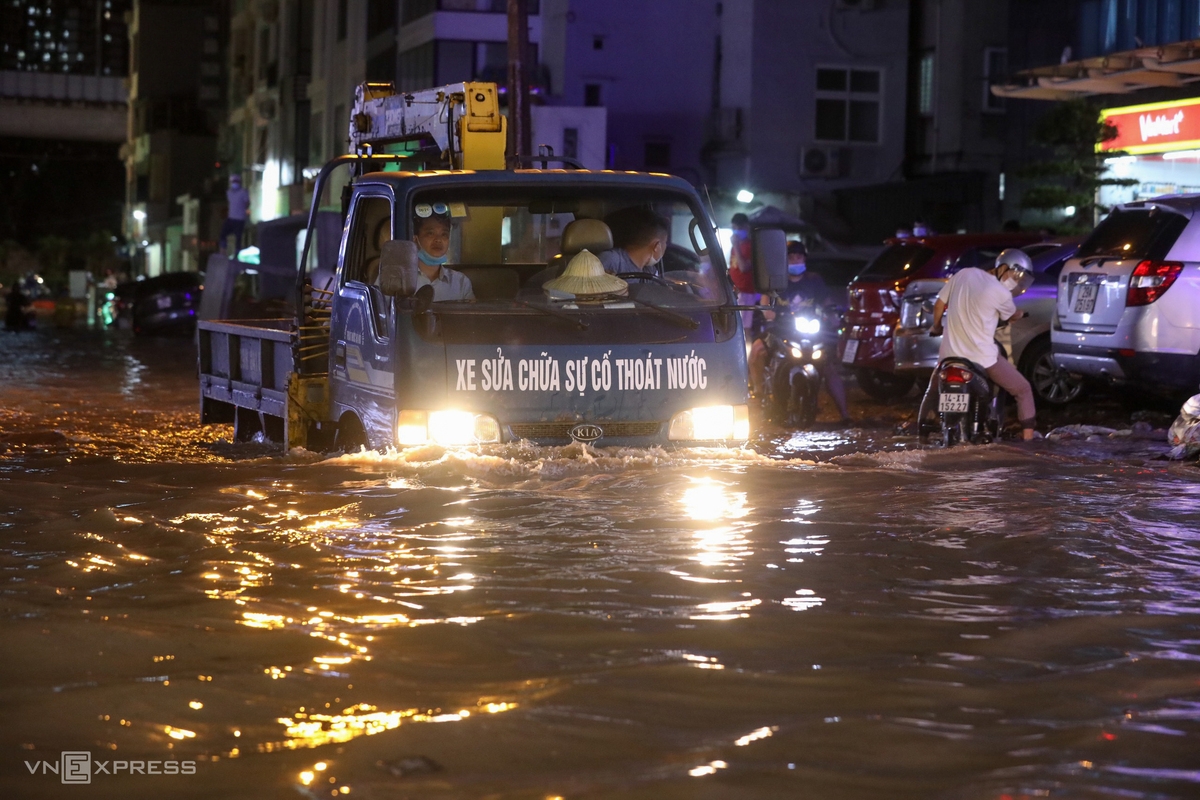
(711, 424)
(797, 352)
(816, 353)
(448, 428)
(807, 325)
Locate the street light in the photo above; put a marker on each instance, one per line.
(139, 214)
(745, 196)
(1069, 211)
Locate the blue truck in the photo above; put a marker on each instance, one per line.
(370, 360)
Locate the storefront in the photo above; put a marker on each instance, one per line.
(1161, 146)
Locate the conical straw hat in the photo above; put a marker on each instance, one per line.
(585, 275)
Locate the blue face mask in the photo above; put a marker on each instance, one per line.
(796, 269)
(428, 260)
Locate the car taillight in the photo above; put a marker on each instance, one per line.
(956, 375)
(1149, 280)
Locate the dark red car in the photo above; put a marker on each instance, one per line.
(867, 326)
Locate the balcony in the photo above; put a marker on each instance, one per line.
(415, 9)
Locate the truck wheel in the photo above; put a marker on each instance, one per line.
(350, 437)
(884, 386)
(1051, 385)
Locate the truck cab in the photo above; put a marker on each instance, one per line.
(664, 363)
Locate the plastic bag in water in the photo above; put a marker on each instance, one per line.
(1184, 434)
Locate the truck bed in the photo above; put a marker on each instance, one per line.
(248, 376)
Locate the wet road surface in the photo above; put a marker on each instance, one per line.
(988, 622)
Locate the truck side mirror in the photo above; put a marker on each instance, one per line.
(769, 248)
(398, 268)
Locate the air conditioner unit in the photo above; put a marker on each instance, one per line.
(823, 162)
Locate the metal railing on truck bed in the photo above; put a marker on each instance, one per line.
(248, 377)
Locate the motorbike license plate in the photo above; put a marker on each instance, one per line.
(850, 352)
(954, 402)
(1085, 299)
(163, 302)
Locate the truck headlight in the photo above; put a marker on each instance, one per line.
(447, 428)
(807, 325)
(711, 424)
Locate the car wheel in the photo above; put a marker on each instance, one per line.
(885, 386)
(1050, 384)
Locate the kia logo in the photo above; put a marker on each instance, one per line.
(586, 433)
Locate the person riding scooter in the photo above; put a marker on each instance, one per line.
(806, 292)
(979, 300)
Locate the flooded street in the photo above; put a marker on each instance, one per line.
(882, 622)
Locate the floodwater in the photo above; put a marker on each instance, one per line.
(884, 622)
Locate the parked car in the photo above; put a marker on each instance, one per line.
(1028, 339)
(166, 303)
(875, 294)
(1129, 301)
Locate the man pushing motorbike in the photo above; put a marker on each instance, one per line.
(978, 300)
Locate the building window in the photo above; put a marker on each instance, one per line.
(316, 153)
(657, 156)
(995, 68)
(415, 68)
(847, 107)
(264, 52)
(415, 9)
(381, 68)
(591, 94)
(381, 15)
(571, 142)
(473, 61)
(597, 42)
(925, 84)
(343, 11)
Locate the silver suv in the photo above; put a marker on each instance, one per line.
(1128, 304)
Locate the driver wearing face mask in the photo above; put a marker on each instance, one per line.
(974, 302)
(640, 238)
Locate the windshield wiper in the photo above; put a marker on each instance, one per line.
(583, 326)
(677, 318)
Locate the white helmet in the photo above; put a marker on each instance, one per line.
(1014, 258)
(1020, 268)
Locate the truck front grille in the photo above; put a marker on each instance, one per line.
(562, 430)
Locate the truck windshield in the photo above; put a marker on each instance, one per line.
(656, 247)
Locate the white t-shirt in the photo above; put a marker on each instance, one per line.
(975, 303)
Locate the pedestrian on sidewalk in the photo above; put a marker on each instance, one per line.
(235, 219)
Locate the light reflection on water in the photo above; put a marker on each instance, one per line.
(591, 622)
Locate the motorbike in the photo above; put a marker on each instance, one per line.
(793, 377)
(970, 407)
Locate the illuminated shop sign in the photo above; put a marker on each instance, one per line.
(1154, 127)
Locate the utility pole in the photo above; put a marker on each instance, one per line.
(519, 126)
